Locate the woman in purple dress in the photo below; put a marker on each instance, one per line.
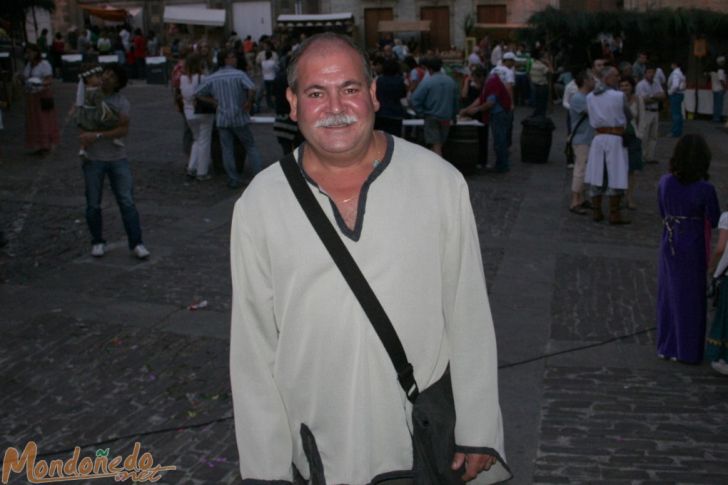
(689, 208)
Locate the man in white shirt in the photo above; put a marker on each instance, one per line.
(505, 71)
(651, 93)
(314, 389)
(474, 57)
(676, 91)
(400, 49)
(640, 66)
(608, 165)
(718, 85)
(496, 54)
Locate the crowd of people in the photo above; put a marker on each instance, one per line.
(130, 45)
(613, 111)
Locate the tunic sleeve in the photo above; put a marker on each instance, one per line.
(470, 333)
(261, 426)
(723, 222)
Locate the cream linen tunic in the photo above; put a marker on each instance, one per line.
(607, 110)
(304, 353)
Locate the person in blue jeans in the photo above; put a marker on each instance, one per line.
(495, 104)
(108, 159)
(234, 94)
(676, 91)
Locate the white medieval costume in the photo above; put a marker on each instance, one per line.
(305, 358)
(607, 168)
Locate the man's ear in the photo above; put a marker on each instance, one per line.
(373, 94)
(293, 101)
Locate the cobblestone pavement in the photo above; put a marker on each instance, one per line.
(103, 353)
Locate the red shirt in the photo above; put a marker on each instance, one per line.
(58, 47)
(495, 87)
(140, 47)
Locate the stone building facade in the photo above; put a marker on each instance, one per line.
(448, 17)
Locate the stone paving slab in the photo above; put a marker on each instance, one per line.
(632, 426)
(598, 298)
(96, 382)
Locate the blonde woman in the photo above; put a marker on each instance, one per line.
(200, 124)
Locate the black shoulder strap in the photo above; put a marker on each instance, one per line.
(353, 276)
(583, 117)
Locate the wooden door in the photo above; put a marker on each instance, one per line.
(372, 16)
(439, 35)
(492, 14)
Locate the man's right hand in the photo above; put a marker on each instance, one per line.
(86, 138)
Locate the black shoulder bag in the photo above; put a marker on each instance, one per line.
(433, 412)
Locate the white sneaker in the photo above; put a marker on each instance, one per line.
(97, 250)
(141, 252)
(720, 366)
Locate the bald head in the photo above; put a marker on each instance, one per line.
(322, 44)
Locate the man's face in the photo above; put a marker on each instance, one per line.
(589, 83)
(333, 103)
(109, 81)
(650, 75)
(643, 59)
(611, 79)
(598, 65)
(231, 60)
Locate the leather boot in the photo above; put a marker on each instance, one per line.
(597, 214)
(615, 217)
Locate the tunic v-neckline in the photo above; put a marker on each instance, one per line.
(352, 233)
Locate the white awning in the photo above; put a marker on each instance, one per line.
(194, 16)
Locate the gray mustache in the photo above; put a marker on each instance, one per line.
(336, 120)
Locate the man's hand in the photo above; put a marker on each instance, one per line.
(86, 138)
(474, 464)
(469, 111)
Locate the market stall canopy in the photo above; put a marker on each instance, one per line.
(404, 25)
(323, 20)
(194, 16)
(107, 13)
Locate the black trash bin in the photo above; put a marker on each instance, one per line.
(462, 147)
(71, 67)
(107, 59)
(536, 139)
(156, 70)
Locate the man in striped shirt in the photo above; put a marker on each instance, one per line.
(233, 92)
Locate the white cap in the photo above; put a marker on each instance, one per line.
(509, 56)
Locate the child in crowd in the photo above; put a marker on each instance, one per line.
(92, 113)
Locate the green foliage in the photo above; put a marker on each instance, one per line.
(468, 24)
(651, 25)
(658, 30)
